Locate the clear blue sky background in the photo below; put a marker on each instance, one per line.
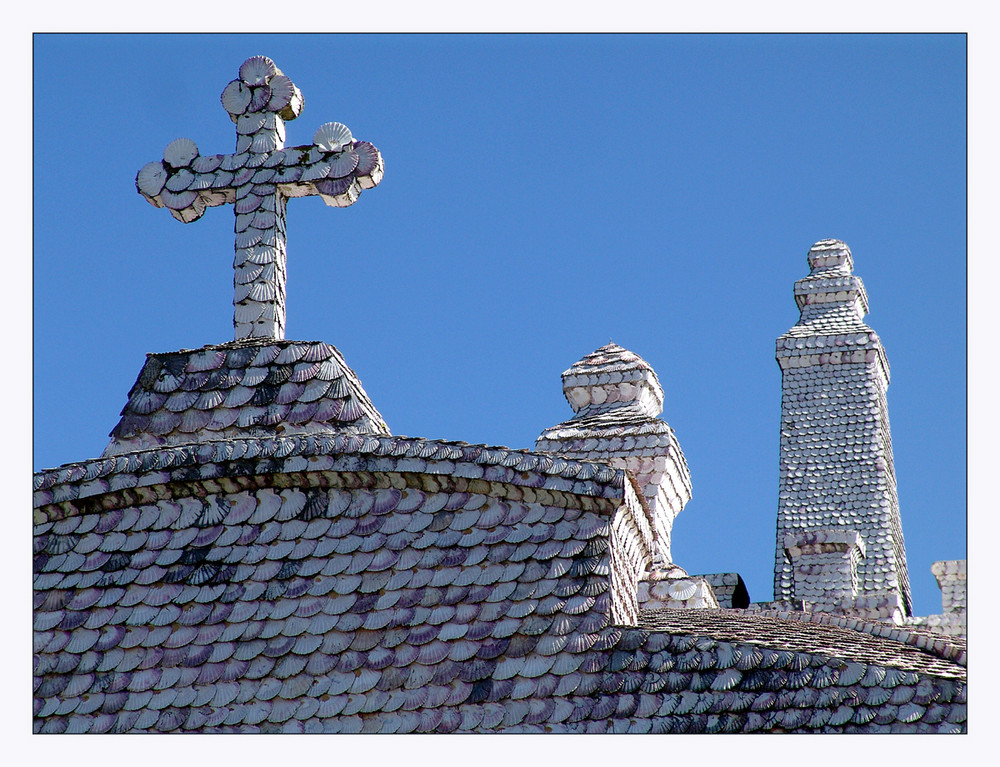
(542, 195)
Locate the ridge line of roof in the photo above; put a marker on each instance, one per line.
(197, 453)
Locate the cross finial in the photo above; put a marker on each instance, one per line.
(257, 179)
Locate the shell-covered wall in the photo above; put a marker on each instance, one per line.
(377, 584)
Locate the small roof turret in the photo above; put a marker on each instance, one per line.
(616, 398)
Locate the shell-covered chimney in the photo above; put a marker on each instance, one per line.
(836, 470)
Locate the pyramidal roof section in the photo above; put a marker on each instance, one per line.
(247, 388)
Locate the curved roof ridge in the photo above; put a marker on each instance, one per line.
(85, 478)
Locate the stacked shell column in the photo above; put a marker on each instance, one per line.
(836, 471)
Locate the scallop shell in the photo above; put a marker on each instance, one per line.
(233, 162)
(340, 192)
(222, 179)
(263, 176)
(248, 204)
(145, 402)
(263, 219)
(433, 652)
(248, 312)
(682, 590)
(351, 411)
(261, 95)
(368, 157)
(282, 93)
(179, 200)
(288, 175)
(343, 164)
(243, 176)
(263, 254)
(152, 176)
(331, 137)
(726, 680)
(257, 69)
(537, 665)
(851, 674)
(294, 108)
(910, 712)
(250, 123)
(236, 97)
(316, 171)
(179, 181)
(206, 163)
(204, 181)
(276, 158)
(180, 152)
(181, 400)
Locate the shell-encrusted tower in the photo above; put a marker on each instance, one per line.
(839, 538)
(617, 397)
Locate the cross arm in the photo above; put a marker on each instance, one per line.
(187, 183)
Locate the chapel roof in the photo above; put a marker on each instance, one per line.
(324, 598)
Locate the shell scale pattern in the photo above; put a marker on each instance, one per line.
(361, 583)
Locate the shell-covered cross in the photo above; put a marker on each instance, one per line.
(257, 179)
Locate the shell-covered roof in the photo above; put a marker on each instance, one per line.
(839, 637)
(243, 388)
(362, 592)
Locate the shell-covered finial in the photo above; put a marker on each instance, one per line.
(257, 70)
(261, 87)
(830, 256)
(614, 376)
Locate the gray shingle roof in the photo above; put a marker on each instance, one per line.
(816, 633)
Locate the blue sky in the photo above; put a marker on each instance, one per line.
(542, 195)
